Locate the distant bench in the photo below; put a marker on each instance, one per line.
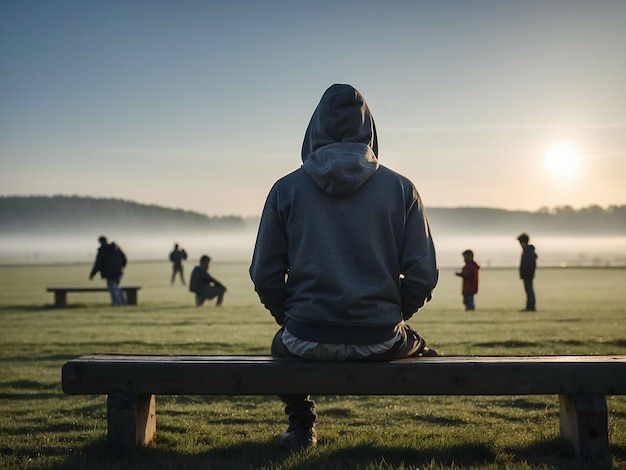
(132, 381)
(60, 293)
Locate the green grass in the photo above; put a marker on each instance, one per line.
(581, 311)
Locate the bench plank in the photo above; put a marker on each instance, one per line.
(246, 375)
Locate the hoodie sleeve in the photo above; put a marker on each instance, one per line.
(97, 265)
(419, 264)
(270, 261)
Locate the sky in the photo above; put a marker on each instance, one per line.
(203, 105)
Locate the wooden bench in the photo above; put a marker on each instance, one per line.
(60, 293)
(131, 383)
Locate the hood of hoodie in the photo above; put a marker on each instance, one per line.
(340, 146)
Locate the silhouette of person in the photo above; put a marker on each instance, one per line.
(343, 255)
(177, 256)
(528, 264)
(110, 262)
(204, 285)
(469, 273)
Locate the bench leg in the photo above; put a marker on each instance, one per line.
(60, 298)
(584, 422)
(131, 421)
(131, 296)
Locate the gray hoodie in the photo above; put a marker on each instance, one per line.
(344, 252)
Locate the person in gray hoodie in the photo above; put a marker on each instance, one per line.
(344, 254)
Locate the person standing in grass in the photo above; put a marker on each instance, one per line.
(204, 285)
(527, 267)
(177, 256)
(343, 255)
(110, 262)
(469, 273)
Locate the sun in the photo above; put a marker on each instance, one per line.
(563, 159)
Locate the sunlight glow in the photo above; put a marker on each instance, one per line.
(563, 159)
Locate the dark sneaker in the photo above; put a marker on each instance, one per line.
(428, 352)
(298, 437)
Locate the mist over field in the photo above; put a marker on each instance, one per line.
(82, 247)
(237, 246)
(65, 229)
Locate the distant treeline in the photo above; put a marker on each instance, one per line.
(563, 220)
(72, 213)
(62, 214)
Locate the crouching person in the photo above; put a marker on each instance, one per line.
(204, 285)
(343, 256)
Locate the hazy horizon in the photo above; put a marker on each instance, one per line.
(237, 246)
(460, 205)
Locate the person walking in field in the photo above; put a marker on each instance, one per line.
(110, 262)
(469, 273)
(204, 285)
(528, 264)
(343, 255)
(177, 256)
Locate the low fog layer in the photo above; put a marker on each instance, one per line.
(237, 246)
(41, 229)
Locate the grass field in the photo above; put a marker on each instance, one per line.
(581, 311)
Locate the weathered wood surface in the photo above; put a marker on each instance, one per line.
(131, 422)
(583, 420)
(262, 375)
(61, 293)
(88, 289)
(131, 381)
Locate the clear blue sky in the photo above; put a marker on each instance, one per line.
(202, 105)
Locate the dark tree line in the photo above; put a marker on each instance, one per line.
(63, 213)
(563, 220)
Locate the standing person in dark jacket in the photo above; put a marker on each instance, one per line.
(343, 256)
(204, 285)
(469, 273)
(177, 256)
(527, 267)
(110, 262)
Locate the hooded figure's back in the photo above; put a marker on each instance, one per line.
(337, 235)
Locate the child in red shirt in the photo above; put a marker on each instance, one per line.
(469, 273)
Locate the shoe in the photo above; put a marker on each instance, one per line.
(298, 437)
(428, 352)
(528, 310)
